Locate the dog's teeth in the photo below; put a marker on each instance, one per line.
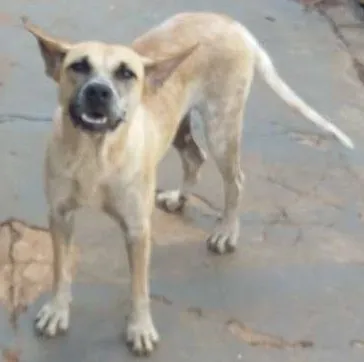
(88, 119)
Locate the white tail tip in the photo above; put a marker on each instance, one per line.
(346, 141)
(340, 135)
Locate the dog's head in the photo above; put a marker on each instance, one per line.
(101, 85)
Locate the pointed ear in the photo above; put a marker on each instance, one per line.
(53, 50)
(158, 71)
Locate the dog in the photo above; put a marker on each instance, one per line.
(119, 110)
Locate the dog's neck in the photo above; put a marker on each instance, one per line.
(74, 140)
(127, 140)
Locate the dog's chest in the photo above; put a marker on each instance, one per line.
(90, 175)
(83, 173)
(87, 183)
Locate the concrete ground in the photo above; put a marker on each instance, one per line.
(293, 290)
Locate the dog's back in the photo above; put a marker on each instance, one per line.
(230, 51)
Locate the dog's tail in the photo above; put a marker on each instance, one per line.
(270, 75)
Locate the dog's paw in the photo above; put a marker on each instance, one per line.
(224, 238)
(141, 336)
(53, 318)
(171, 200)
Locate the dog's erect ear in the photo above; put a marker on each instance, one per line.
(53, 50)
(158, 71)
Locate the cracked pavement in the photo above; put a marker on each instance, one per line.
(292, 291)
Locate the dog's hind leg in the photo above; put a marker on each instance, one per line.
(192, 157)
(222, 116)
(224, 145)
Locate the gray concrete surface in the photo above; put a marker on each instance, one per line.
(292, 292)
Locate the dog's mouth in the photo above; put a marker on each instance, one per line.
(94, 119)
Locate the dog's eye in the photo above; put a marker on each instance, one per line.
(124, 73)
(81, 66)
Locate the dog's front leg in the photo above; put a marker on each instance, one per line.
(141, 333)
(54, 315)
(132, 210)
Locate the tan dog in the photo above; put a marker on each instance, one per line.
(119, 110)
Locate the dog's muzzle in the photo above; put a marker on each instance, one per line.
(95, 107)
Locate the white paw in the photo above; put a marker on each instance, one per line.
(52, 318)
(224, 238)
(142, 336)
(171, 200)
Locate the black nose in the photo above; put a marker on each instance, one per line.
(98, 94)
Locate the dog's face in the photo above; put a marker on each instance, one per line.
(101, 85)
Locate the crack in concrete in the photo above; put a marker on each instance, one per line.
(301, 193)
(350, 170)
(315, 139)
(357, 178)
(25, 272)
(238, 329)
(321, 7)
(7, 118)
(255, 338)
(311, 4)
(11, 355)
(16, 309)
(282, 216)
(356, 63)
